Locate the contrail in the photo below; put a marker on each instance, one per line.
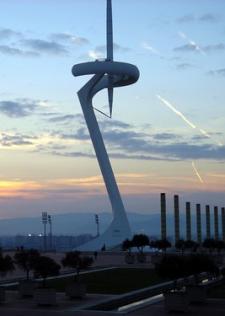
(146, 46)
(192, 43)
(196, 172)
(170, 106)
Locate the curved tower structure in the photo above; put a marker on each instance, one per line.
(107, 74)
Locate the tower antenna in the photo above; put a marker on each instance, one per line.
(109, 43)
(109, 31)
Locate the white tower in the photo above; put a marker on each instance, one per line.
(107, 75)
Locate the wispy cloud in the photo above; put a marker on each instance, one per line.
(165, 136)
(219, 72)
(99, 52)
(192, 46)
(116, 47)
(56, 44)
(184, 66)
(205, 18)
(17, 109)
(6, 33)
(94, 54)
(9, 140)
(186, 18)
(63, 118)
(77, 40)
(220, 47)
(209, 17)
(46, 47)
(14, 51)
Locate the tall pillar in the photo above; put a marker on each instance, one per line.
(216, 223)
(163, 215)
(223, 222)
(188, 221)
(176, 218)
(198, 223)
(207, 218)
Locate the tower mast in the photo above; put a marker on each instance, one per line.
(109, 30)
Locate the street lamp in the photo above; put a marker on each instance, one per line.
(50, 231)
(97, 223)
(44, 221)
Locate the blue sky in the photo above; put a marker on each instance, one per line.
(47, 158)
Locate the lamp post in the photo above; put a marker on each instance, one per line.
(97, 223)
(44, 221)
(50, 231)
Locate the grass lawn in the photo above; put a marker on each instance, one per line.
(116, 281)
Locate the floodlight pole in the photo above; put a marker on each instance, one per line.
(97, 224)
(50, 231)
(44, 221)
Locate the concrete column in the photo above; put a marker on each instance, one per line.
(198, 223)
(216, 223)
(188, 221)
(163, 215)
(207, 218)
(223, 222)
(176, 218)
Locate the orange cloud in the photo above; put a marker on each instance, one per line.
(130, 183)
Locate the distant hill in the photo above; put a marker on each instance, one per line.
(80, 223)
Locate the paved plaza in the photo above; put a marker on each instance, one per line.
(15, 306)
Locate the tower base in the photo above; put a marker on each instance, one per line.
(112, 237)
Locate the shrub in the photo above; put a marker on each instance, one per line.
(6, 264)
(26, 259)
(74, 260)
(45, 267)
(140, 241)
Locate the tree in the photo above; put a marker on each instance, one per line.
(198, 263)
(209, 243)
(45, 267)
(172, 267)
(26, 259)
(219, 245)
(180, 245)
(190, 245)
(161, 244)
(74, 260)
(140, 241)
(6, 264)
(127, 245)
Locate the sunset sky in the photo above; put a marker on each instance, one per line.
(167, 131)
